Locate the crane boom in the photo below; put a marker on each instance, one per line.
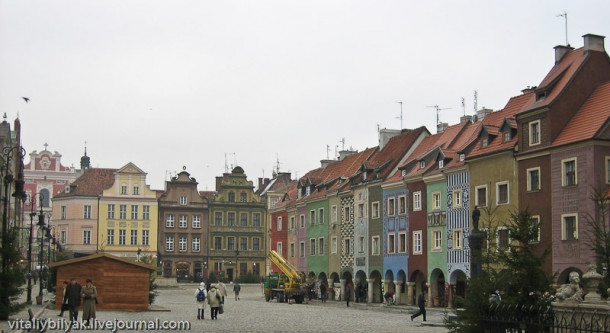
(287, 268)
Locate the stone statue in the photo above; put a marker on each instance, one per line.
(570, 292)
(476, 214)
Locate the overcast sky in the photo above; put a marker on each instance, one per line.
(167, 84)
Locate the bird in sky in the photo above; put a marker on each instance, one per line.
(26, 99)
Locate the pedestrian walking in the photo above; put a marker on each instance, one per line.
(64, 303)
(89, 295)
(421, 302)
(200, 296)
(214, 301)
(323, 292)
(348, 292)
(223, 291)
(236, 290)
(35, 275)
(73, 294)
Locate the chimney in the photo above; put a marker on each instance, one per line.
(465, 118)
(560, 51)
(528, 90)
(594, 43)
(345, 153)
(325, 163)
(260, 183)
(441, 127)
(385, 135)
(483, 112)
(218, 183)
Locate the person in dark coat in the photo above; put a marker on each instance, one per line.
(73, 294)
(348, 292)
(64, 304)
(323, 292)
(236, 290)
(421, 302)
(89, 294)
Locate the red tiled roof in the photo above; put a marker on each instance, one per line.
(92, 182)
(592, 116)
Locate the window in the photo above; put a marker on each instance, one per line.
(63, 212)
(86, 237)
(312, 217)
(279, 223)
(182, 201)
(196, 244)
(273, 202)
(402, 242)
(123, 212)
(569, 227)
(568, 170)
(334, 213)
(321, 215)
(312, 247)
(231, 243)
(217, 243)
(391, 243)
(196, 224)
(292, 223)
(218, 218)
(348, 217)
(169, 243)
(146, 212)
(123, 189)
(607, 169)
(291, 250)
(134, 237)
(391, 207)
(243, 197)
(302, 221)
(169, 221)
(136, 190)
(437, 240)
(110, 211)
(333, 241)
(457, 198)
(243, 244)
(534, 132)
(506, 136)
(110, 237)
(361, 244)
(122, 236)
(417, 242)
(87, 212)
(481, 196)
(134, 212)
(63, 235)
(484, 142)
(436, 200)
(243, 219)
(375, 208)
(231, 196)
(535, 225)
(441, 164)
(361, 210)
(182, 244)
(417, 201)
(375, 246)
(256, 219)
(533, 179)
(462, 157)
(231, 219)
(457, 239)
(402, 204)
(422, 164)
(145, 237)
(302, 249)
(321, 246)
(278, 247)
(347, 246)
(183, 221)
(502, 193)
(503, 238)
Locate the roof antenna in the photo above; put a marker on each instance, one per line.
(327, 151)
(565, 16)
(476, 101)
(342, 143)
(400, 114)
(464, 106)
(438, 109)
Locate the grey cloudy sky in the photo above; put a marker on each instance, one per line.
(167, 84)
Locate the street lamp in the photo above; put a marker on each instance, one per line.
(31, 240)
(236, 265)
(42, 227)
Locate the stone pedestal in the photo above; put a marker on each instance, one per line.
(370, 291)
(342, 296)
(476, 243)
(397, 293)
(410, 293)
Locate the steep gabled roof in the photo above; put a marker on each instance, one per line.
(590, 119)
(92, 182)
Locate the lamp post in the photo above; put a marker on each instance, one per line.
(42, 226)
(31, 240)
(236, 265)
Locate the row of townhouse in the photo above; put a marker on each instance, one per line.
(187, 233)
(398, 216)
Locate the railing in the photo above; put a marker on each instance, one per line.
(516, 318)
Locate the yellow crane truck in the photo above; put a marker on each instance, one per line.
(286, 285)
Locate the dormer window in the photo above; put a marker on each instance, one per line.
(404, 173)
(183, 201)
(484, 142)
(364, 175)
(307, 190)
(540, 96)
(441, 164)
(231, 196)
(534, 132)
(462, 157)
(506, 136)
(422, 164)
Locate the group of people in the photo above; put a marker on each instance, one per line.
(73, 294)
(213, 295)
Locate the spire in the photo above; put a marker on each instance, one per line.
(85, 161)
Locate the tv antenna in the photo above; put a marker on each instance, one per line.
(327, 152)
(476, 101)
(464, 106)
(400, 114)
(438, 111)
(565, 16)
(227, 164)
(342, 143)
